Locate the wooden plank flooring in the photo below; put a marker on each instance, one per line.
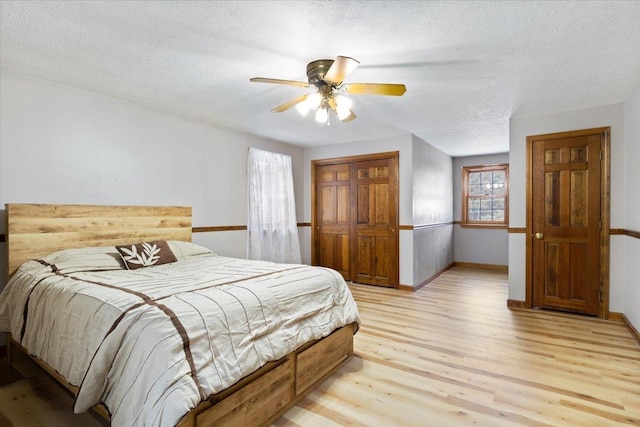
(452, 354)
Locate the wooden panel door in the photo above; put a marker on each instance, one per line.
(355, 219)
(375, 221)
(333, 218)
(566, 221)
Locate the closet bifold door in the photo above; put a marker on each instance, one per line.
(374, 219)
(333, 218)
(355, 220)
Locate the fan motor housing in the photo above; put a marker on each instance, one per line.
(316, 71)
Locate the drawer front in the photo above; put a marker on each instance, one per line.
(248, 406)
(318, 360)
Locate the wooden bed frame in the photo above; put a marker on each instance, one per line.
(34, 230)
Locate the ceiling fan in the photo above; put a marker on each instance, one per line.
(327, 75)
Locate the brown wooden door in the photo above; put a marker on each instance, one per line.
(566, 221)
(375, 222)
(355, 222)
(333, 216)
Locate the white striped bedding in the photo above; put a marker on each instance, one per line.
(152, 343)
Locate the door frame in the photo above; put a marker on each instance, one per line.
(350, 159)
(605, 206)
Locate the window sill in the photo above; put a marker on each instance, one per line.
(488, 226)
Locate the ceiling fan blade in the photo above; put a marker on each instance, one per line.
(340, 69)
(391, 89)
(350, 117)
(279, 82)
(289, 104)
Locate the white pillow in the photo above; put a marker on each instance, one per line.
(183, 250)
(101, 258)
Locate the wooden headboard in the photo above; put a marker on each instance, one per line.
(36, 230)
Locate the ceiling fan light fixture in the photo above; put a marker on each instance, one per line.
(303, 107)
(343, 114)
(314, 100)
(343, 101)
(322, 115)
(343, 106)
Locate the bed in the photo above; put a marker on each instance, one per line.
(202, 340)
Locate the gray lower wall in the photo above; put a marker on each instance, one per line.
(481, 245)
(432, 251)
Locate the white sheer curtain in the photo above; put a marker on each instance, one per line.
(272, 230)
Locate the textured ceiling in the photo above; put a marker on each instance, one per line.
(468, 66)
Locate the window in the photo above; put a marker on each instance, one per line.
(485, 196)
(272, 230)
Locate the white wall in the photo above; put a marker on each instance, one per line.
(519, 129)
(469, 244)
(432, 184)
(631, 278)
(60, 144)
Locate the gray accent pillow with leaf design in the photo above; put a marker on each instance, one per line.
(146, 254)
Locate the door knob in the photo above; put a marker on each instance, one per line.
(539, 236)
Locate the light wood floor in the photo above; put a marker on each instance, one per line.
(452, 354)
